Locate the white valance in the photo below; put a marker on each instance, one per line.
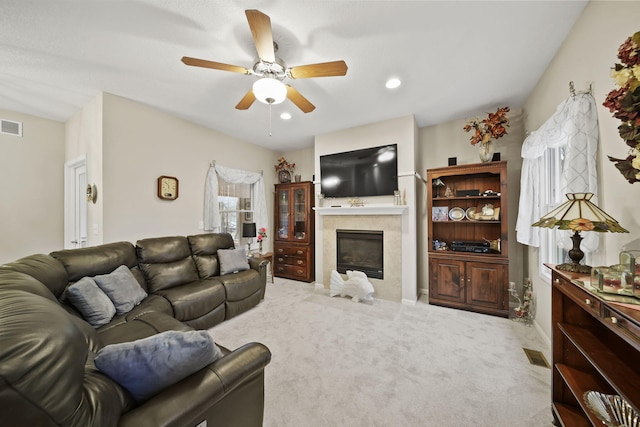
(212, 219)
(573, 126)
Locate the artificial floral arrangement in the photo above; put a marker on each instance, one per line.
(493, 127)
(283, 165)
(262, 234)
(624, 103)
(523, 310)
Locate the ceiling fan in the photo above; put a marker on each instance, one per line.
(271, 70)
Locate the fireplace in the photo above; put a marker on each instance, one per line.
(360, 250)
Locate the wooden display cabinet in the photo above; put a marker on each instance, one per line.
(294, 231)
(596, 347)
(469, 279)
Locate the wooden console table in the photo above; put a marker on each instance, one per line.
(596, 347)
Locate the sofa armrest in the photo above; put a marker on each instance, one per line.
(258, 263)
(228, 392)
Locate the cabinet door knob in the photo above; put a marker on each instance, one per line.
(280, 250)
(557, 280)
(299, 262)
(587, 301)
(299, 252)
(614, 319)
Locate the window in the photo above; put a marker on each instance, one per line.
(234, 201)
(550, 250)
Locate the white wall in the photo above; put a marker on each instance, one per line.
(139, 145)
(587, 55)
(83, 138)
(304, 163)
(32, 176)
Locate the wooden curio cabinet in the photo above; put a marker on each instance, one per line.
(468, 237)
(294, 231)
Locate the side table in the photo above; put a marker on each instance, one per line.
(269, 257)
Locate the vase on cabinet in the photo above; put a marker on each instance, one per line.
(485, 151)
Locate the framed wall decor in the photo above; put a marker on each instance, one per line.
(246, 206)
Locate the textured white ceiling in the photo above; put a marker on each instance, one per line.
(456, 58)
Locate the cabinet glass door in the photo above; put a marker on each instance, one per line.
(299, 215)
(283, 215)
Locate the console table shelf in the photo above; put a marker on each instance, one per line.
(596, 347)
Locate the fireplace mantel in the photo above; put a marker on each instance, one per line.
(363, 210)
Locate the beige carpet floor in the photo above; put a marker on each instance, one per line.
(340, 363)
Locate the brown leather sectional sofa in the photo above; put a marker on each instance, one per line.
(47, 374)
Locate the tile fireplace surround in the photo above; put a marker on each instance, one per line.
(392, 220)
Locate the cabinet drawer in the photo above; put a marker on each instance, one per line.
(618, 321)
(580, 296)
(295, 262)
(291, 270)
(290, 251)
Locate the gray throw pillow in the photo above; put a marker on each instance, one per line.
(147, 366)
(122, 289)
(232, 260)
(94, 305)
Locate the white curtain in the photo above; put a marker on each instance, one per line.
(212, 220)
(574, 126)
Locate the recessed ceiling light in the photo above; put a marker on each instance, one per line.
(393, 83)
(285, 116)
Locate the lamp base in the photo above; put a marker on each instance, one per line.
(575, 268)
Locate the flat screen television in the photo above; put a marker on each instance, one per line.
(360, 173)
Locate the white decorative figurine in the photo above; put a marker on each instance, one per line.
(357, 286)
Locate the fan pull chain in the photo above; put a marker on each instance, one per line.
(270, 119)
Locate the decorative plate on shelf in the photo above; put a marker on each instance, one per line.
(456, 214)
(612, 410)
(471, 214)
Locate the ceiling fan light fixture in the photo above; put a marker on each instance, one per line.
(269, 90)
(393, 83)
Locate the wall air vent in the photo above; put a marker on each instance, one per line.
(9, 127)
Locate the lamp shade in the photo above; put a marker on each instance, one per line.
(269, 90)
(580, 214)
(248, 229)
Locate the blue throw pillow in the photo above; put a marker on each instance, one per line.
(147, 366)
(94, 305)
(121, 288)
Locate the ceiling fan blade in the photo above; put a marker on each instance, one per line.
(324, 69)
(246, 101)
(300, 101)
(260, 25)
(215, 65)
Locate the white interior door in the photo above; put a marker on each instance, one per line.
(75, 230)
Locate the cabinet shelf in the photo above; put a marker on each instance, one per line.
(579, 383)
(570, 417)
(437, 199)
(623, 379)
(465, 221)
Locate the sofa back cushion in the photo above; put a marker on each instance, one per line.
(101, 259)
(43, 268)
(204, 248)
(166, 262)
(43, 367)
